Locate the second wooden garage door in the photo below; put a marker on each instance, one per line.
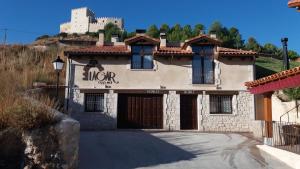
(140, 111)
(188, 112)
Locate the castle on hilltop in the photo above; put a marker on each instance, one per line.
(83, 20)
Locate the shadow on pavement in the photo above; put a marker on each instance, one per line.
(128, 150)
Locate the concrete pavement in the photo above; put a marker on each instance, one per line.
(171, 150)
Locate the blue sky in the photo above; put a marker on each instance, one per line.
(266, 20)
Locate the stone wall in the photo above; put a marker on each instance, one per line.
(239, 121)
(95, 120)
(172, 111)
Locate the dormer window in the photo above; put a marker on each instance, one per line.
(142, 57)
(203, 65)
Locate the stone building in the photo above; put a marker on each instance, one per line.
(148, 83)
(83, 20)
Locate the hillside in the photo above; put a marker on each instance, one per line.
(266, 66)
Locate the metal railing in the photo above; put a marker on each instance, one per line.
(288, 113)
(283, 135)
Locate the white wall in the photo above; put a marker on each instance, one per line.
(173, 74)
(279, 108)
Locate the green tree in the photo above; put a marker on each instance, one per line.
(252, 44)
(293, 54)
(235, 38)
(224, 34)
(293, 93)
(111, 29)
(175, 33)
(165, 28)
(130, 34)
(216, 28)
(153, 31)
(186, 32)
(270, 49)
(197, 29)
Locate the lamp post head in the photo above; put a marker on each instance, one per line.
(58, 64)
(284, 40)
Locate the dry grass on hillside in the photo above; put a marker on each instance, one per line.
(20, 66)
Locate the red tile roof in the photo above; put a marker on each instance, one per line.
(105, 50)
(199, 38)
(294, 3)
(139, 37)
(275, 77)
(235, 52)
(167, 51)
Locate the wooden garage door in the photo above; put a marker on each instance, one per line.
(140, 111)
(188, 112)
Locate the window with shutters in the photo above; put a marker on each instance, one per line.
(94, 102)
(220, 104)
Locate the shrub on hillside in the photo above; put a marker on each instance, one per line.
(42, 37)
(63, 35)
(25, 115)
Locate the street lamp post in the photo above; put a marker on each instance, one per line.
(58, 65)
(286, 62)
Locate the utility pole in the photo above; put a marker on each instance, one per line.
(5, 36)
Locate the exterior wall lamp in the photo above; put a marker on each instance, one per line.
(58, 64)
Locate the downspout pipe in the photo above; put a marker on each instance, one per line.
(69, 81)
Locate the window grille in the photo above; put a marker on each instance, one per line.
(94, 102)
(220, 104)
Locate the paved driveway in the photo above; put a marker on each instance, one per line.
(171, 150)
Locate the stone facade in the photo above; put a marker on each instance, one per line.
(95, 120)
(83, 20)
(111, 73)
(239, 121)
(172, 111)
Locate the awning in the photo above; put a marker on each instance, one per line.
(282, 80)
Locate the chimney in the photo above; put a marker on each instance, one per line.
(163, 39)
(286, 62)
(114, 38)
(101, 39)
(213, 35)
(140, 31)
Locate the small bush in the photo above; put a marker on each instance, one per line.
(63, 35)
(75, 35)
(24, 115)
(42, 37)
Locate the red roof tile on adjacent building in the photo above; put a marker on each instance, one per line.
(167, 51)
(235, 52)
(275, 77)
(294, 3)
(138, 37)
(105, 50)
(196, 39)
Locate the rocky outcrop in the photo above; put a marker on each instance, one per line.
(53, 147)
(12, 149)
